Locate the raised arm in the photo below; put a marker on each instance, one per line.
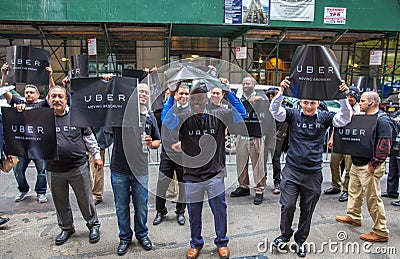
(276, 109)
(51, 80)
(343, 116)
(4, 70)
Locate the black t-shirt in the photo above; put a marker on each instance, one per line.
(253, 124)
(306, 139)
(127, 155)
(209, 164)
(382, 130)
(70, 144)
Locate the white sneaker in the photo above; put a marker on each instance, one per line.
(21, 196)
(42, 198)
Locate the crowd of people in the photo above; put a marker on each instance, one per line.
(194, 119)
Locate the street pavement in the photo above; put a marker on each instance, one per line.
(33, 227)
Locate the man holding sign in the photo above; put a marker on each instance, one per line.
(365, 175)
(30, 101)
(72, 169)
(302, 174)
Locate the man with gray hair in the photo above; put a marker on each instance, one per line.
(72, 169)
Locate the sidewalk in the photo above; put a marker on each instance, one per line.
(33, 227)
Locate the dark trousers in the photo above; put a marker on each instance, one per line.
(293, 184)
(79, 179)
(195, 191)
(392, 184)
(276, 163)
(165, 175)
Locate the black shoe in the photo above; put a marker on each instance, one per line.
(123, 247)
(258, 198)
(4, 220)
(280, 242)
(97, 202)
(94, 234)
(180, 217)
(331, 191)
(343, 197)
(388, 195)
(240, 191)
(395, 203)
(301, 250)
(146, 243)
(159, 218)
(63, 236)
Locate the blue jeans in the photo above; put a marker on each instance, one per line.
(19, 173)
(194, 199)
(122, 184)
(392, 184)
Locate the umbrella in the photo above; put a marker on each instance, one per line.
(184, 71)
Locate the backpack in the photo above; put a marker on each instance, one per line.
(395, 125)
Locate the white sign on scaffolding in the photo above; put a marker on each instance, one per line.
(375, 57)
(92, 47)
(335, 15)
(289, 10)
(241, 52)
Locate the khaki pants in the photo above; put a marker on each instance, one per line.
(336, 160)
(362, 182)
(255, 149)
(97, 177)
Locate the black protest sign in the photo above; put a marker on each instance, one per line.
(98, 103)
(27, 65)
(156, 96)
(140, 74)
(30, 134)
(356, 138)
(314, 74)
(258, 121)
(79, 66)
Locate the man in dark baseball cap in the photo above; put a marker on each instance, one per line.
(355, 92)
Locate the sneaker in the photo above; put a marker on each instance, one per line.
(258, 198)
(240, 191)
(277, 189)
(41, 198)
(21, 196)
